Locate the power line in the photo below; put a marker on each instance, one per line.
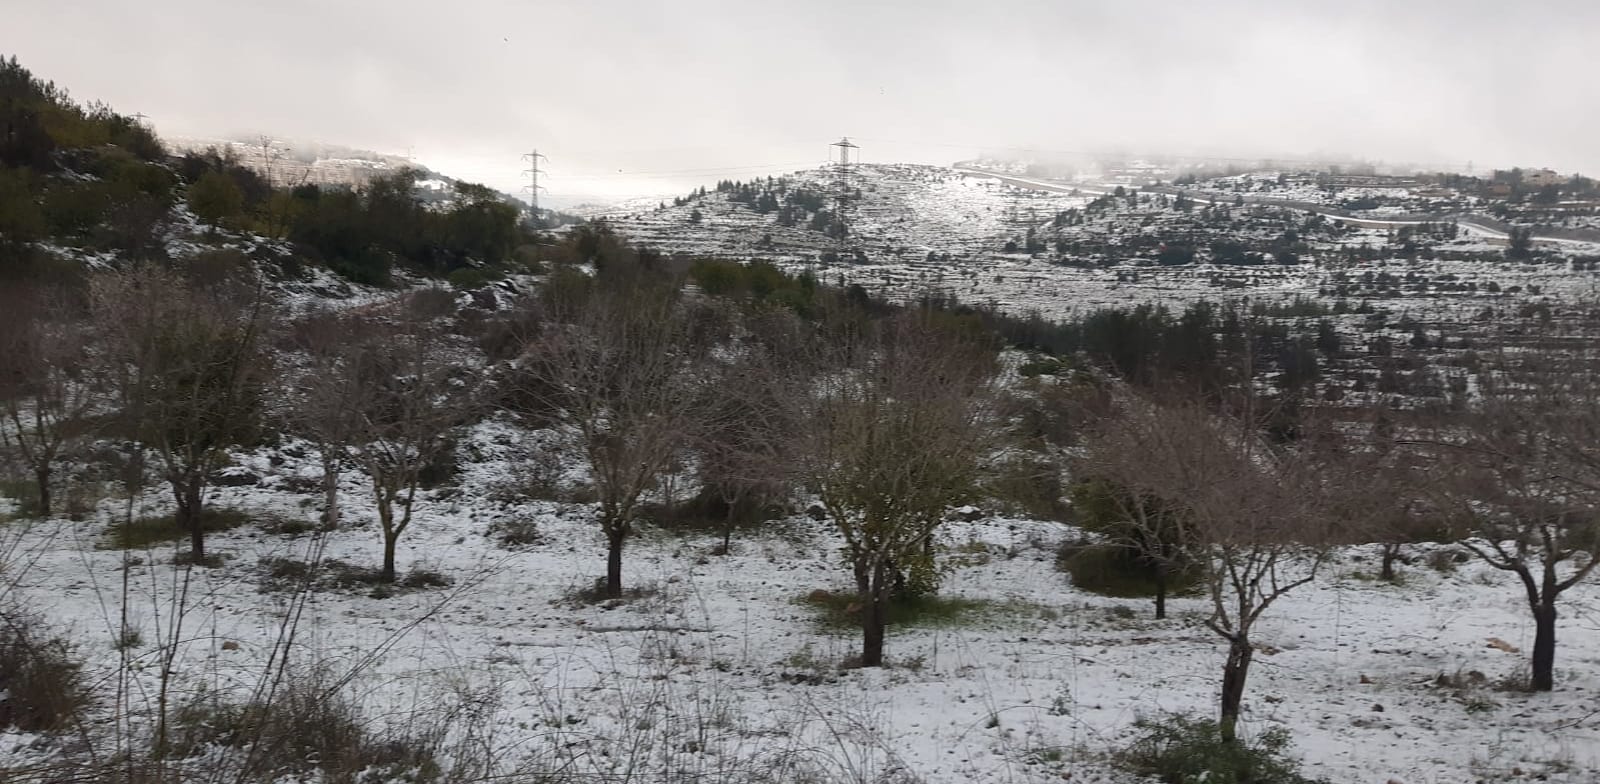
(677, 172)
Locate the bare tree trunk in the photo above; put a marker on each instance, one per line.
(1161, 593)
(1544, 645)
(43, 473)
(386, 522)
(330, 493)
(727, 530)
(614, 540)
(1391, 553)
(872, 629)
(1234, 673)
(188, 517)
(390, 539)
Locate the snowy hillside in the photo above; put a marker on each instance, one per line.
(1059, 250)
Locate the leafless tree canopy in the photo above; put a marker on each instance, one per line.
(1520, 476)
(617, 369)
(47, 392)
(403, 394)
(894, 429)
(188, 366)
(1250, 512)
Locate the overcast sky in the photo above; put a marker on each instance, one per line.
(630, 98)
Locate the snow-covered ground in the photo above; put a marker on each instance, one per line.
(1036, 687)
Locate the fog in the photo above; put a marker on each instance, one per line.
(643, 98)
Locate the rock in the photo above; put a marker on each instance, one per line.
(967, 514)
(1499, 644)
(235, 476)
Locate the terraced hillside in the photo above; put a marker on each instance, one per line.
(902, 230)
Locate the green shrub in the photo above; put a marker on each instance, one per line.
(472, 278)
(1182, 749)
(1029, 486)
(26, 495)
(1110, 570)
(147, 531)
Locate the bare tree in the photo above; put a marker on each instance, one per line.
(1252, 516)
(892, 438)
(189, 367)
(743, 433)
(407, 397)
(46, 392)
(1116, 499)
(1395, 503)
(617, 370)
(326, 390)
(1522, 474)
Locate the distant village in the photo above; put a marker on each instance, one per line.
(286, 165)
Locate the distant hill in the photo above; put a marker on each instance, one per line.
(82, 186)
(884, 213)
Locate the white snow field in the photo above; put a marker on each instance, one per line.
(722, 662)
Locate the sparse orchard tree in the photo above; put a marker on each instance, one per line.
(742, 439)
(187, 362)
(325, 385)
(408, 396)
(1521, 474)
(47, 393)
(616, 368)
(1254, 520)
(893, 435)
(1396, 505)
(1112, 502)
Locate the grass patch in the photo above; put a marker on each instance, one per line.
(312, 729)
(147, 531)
(838, 611)
(595, 594)
(290, 527)
(280, 575)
